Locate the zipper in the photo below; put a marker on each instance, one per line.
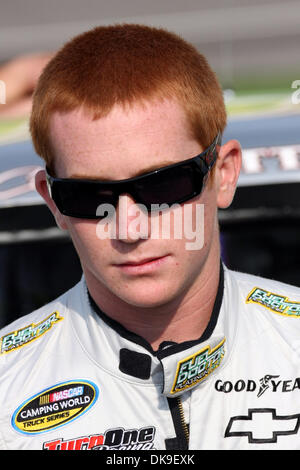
(181, 442)
(183, 423)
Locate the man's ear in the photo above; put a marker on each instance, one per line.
(42, 189)
(228, 169)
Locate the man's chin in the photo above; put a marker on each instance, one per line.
(147, 292)
(154, 297)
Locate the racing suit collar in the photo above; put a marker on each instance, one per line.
(166, 348)
(175, 368)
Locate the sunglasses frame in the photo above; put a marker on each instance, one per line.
(200, 164)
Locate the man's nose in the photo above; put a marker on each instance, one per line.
(132, 220)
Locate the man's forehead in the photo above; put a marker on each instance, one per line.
(139, 139)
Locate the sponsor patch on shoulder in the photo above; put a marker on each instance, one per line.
(55, 407)
(18, 338)
(274, 302)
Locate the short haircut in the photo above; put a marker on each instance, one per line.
(125, 64)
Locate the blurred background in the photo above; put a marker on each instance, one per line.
(253, 46)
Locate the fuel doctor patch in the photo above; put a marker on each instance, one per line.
(274, 302)
(18, 338)
(55, 407)
(182, 374)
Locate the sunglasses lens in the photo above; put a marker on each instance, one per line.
(80, 199)
(172, 186)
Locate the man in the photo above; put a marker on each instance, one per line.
(159, 346)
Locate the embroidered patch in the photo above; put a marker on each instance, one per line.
(274, 302)
(197, 367)
(112, 439)
(23, 336)
(54, 407)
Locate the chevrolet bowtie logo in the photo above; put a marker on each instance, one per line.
(262, 425)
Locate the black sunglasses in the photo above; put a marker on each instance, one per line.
(176, 183)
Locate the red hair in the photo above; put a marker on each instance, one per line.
(123, 64)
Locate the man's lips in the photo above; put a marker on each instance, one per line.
(140, 262)
(144, 265)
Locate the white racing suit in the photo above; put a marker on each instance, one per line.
(73, 379)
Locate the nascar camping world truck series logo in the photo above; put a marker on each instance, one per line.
(54, 407)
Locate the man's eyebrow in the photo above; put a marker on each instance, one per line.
(143, 171)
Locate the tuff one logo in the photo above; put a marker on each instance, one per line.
(19, 338)
(54, 407)
(275, 303)
(197, 367)
(113, 439)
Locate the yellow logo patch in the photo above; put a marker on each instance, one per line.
(274, 302)
(23, 336)
(55, 406)
(197, 367)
